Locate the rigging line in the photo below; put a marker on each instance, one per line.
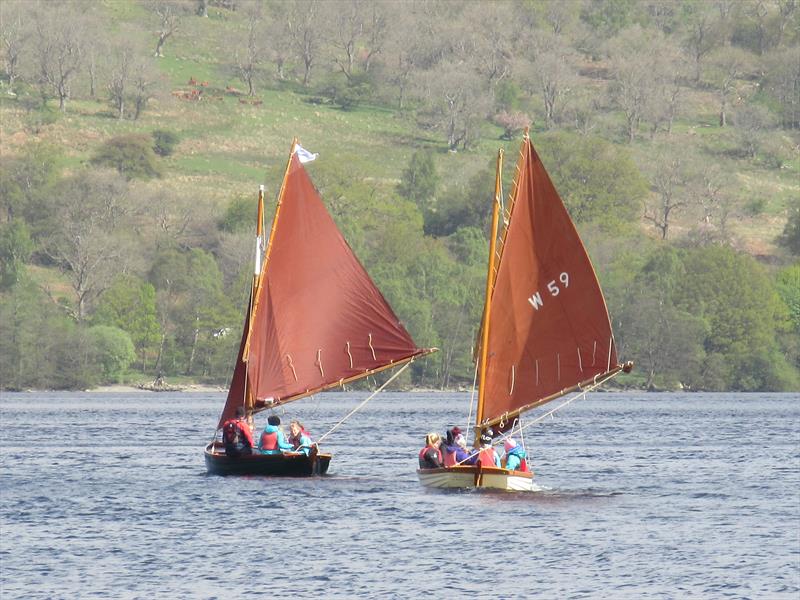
(472, 397)
(370, 397)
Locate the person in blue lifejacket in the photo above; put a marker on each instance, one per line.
(272, 440)
(514, 458)
(299, 438)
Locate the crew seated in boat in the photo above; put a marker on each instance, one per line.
(272, 440)
(454, 450)
(299, 438)
(487, 455)
(236, 435)
(430, 457)
(514, 458)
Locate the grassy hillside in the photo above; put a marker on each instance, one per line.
(229, 145)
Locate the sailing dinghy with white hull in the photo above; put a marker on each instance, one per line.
(315, 321)
(545, 331)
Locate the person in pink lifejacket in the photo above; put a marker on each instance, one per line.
(273, 440)
(487, 455)
(454, 450)
(515, 456)
(430, 457)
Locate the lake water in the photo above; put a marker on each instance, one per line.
(643, 496)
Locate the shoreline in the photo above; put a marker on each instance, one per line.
(184, 389)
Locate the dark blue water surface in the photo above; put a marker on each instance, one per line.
(643, 496)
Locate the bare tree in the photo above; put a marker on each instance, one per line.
(491, 46)
(782, 81)
(787, 11)
(89, 245)
(551, 75)
(631, 71)
(639, 61)
(278, 41)
(121, 65)
(346, 28)
(15, 30)
(583, 109)
(723, 72)
(167, 12)
(250, 49)
(454, 101)
(415, 44)
(751, 122)
(758, 10)
(60, 49)
(716, 203)
(145, 86)
(664, 101)
(668, 181)
(702, 35)
(305, 27)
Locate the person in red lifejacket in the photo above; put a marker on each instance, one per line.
(430, 457)
(237, 435)
(272, 440)
(487, 455)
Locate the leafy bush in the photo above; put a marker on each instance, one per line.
(240, 216)
(790, 238)
(114, 351)
(132, 155)
(164, 142)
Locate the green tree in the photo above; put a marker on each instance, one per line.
(113, 349)
(468, 207)
(736, 298)
(15, 248)
(131, 155)
(790, 238)
(665, 342)
(192, 307)
(787, 284)
(598, 181)
(40, 346)
(130, 305)
(25, 181)
(419, 180)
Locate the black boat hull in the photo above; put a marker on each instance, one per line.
(287, 464)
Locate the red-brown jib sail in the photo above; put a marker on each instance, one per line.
(549, 326)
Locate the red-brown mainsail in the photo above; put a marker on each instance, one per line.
(547, 321)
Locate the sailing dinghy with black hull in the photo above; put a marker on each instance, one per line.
(545, 331)
(315, 321)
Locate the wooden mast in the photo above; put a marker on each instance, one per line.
(487, 304)
(259, 278)
(249, 400)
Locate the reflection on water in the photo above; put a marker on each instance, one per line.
(638, 496)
